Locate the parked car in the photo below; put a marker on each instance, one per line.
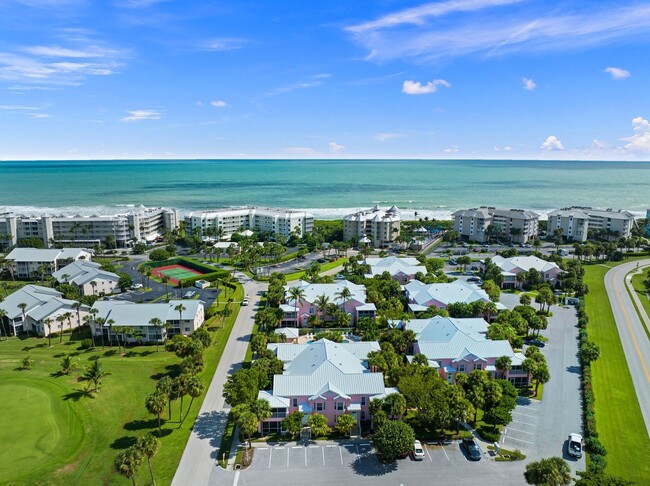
(476, 249)
(418, 451)
(574, 446)
(468, 272)
(534, 342)
(245, 301)
(339, 276)
(136, 286)
(476, 280)
(472, 449)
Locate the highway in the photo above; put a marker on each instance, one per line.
(632, 333)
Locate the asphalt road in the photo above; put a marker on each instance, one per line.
(202, 447)
(633, 337)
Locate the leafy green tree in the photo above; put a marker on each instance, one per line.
(156, 404)
(553, 471)
(497, 416)
(262, 409)
(492, 289)
(525, 299)
(95, 374)
(247, 422)
(148, 446)
(345, 423)
(293, 422)
(128, 462)
(318, 425)
(195, 388)
(159, 254)
(258, 342)
(393, 439)
(394, 405)
(503, 364)
(460, 408)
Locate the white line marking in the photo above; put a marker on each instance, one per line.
(279, 447)
(525, 415)
(314, 447)
(270, 455)
(443, 450)
(519, 440)
(305, 457)
(429, 455)
(365, 444)
(523, 431)
(262, 448)
(297, 447)
(331, 445)
(357, 449)
(341, 454)
(234, 483)
(525, 423)
(323, 451)
(288, 450)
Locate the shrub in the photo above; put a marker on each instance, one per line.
(86, 344)
(489, 434)
(597, 464)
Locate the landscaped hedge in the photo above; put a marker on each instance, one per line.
(209, 273)
(593, 445)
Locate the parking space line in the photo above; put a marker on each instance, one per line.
(270, 455)
(518, 440)
(365, 444)
(525, 415)
(262, 448)
(357, 447)
(523, 431)
(330, 445)
(443, 450)
(525, 423)
(314, 447)
(323, 451)
(296, 447)
(341, 454)
(429, 455)
(288, 450)
(305, 457)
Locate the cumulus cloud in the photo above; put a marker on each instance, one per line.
(529, 84)
(618, 73)
(505, 148)
(640, 141)
(336, 148)
(552, 143)
(452, 150)
(219, 104)
(139, 115)
(417, 88)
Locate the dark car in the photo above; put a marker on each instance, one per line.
(472, 449)
(535, 342)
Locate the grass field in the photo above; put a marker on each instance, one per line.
(323, 268)
(642, 293)
(618, 416)
(53, 434)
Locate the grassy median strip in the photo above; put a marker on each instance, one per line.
(620, 425)
(642, 292)
(323, 268)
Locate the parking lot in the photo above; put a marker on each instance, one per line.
(522, 432)
(340, 463)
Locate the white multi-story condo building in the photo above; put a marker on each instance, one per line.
(145, 224)
(516, 224)
(284, 222)
(26, 262)
(576, 222)
(376, 226)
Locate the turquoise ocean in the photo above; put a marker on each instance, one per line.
(328, 188)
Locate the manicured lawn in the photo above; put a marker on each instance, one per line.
(619, 421)
(642, 292)
(8, 287)
(324, 267)
(53, 434)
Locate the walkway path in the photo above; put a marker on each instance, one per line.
(203, 444)
(633, 337)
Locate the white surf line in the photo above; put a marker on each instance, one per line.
(236, 480)
(523, 431)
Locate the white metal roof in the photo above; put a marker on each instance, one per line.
(523, 263)
(313, 291)
(81, 272)
(32, 295)
(445, 293)
(394, 265)
(46, 255)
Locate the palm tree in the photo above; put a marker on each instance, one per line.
(166, 386)
(148, 446)
(110, 323)
(297, 295)
(164, 280)
(157, 324)
(48, 322)
(68, 316)
(344, 294)
(77, 307)
(156, 404)
(180, 389)
(321, 303)
(67, 365)
(180, 308)
(22, 306)
(100, 321)
(95, 374)
(195, 388)
(504, 363)
(3, 314)
(128, 462)
(93, 284)
(60, 318)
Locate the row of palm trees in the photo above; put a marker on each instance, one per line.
(322, 302)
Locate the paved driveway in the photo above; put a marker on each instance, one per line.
(356, 462)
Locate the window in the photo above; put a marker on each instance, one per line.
(311, 310)
(461, 367)
(363, 400)
(294, 403)
(320, 407)
(363, 415)
(339, 406)
(478, 366)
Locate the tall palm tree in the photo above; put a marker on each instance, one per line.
(48, 323)
(297, 295)
(60, 319)
(110, 323)
(99, 322)
(148, 446)
(156, 404)
(93, 284)
(164, 280)
(77, 307)
(3, 314)
(321, 303)
(22, 306)
(68, 316)
(93, 316)
(180, 308)
(344, 294)
(128, 462)
(157, 324)
(195, 388)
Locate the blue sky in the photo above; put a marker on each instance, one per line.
(294, 79)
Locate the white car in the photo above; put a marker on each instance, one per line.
(245, 301)
(136, 286)
(574, 446)
(418, 451)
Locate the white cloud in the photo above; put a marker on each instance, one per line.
(17, 107)
(39, 115)
(430, 32)
(139, 115)
(552, 143)
(452, 150)
(529, 84)
(640, 141)
(223, 44)
(505, 148)
(58, 51)
(618, 73)
(336, 148)
(219, 104)
(382, 137)
(598, 144)
(312, 82)
(417, 88)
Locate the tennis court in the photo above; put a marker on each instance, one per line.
(175, 272)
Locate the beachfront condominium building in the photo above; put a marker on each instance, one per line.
(375, 226)
(119, 230)
(284, 222)
(578, 222)
(480, 224)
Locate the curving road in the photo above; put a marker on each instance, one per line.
(632, 333)
(200, 453)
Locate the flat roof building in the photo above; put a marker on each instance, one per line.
(578, 222)
(479, 224)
